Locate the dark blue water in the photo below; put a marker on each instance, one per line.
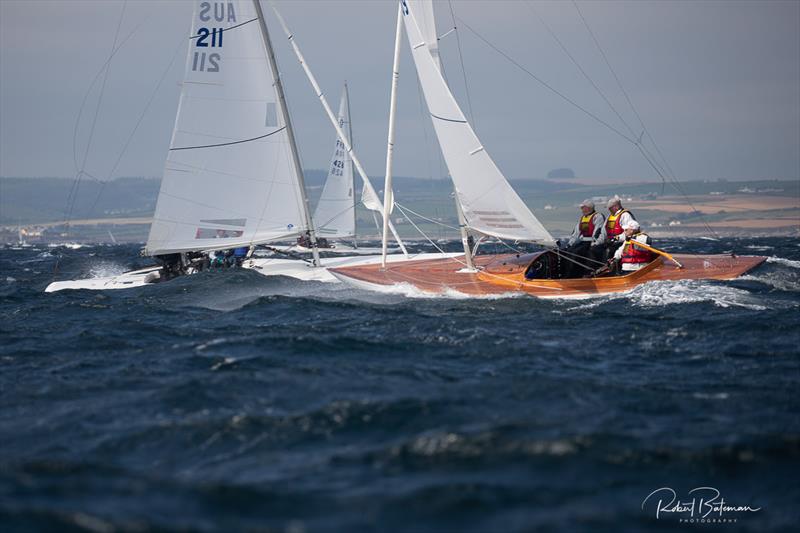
(230, 401)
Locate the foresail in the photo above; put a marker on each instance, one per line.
(489, 204)
(229, 179)
(335, 212)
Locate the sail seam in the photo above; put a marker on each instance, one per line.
(227, 144)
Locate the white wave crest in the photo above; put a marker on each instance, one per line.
(663, 293)
(410, 291)
(106, 270)
(783, 261)
(776, 281)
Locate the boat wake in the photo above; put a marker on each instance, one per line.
(410, 291)
(664, 293)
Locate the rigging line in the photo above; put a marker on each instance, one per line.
(423, 217)
(419, 230)
(642, 149)
(227, 144)
(138, 123)
(580, 68)
(619, 84)
(76, 183)
(671, 173)
(88, 91)
(547, 85)
(461, 59)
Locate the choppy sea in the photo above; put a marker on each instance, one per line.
(230, 401)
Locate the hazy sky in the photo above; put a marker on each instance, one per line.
(717, 84)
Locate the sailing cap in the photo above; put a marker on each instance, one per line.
(587, 203)
(632, 224)
(614, 200)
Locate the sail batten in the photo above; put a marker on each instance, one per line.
(480, 186)
(230, 157)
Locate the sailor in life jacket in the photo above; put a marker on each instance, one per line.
(630, 256)
(613, 232)
(589, 228)
(586, 241)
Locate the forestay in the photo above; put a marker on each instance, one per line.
(229, 179)
(490, 205)
(335, 212)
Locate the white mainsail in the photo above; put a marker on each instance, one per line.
(490, 206)
(423, 14)
(335, 213)
(230, 179)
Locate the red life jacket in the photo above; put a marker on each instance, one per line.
(634, 254)
(613, 227)
(586, 225)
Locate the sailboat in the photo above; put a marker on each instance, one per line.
(488, 206)
(335, 213)
(232, 178)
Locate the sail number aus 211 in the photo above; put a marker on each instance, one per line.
(207, 38)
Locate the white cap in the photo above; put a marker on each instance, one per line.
(614, 200)
(632, 224)
(587, 203)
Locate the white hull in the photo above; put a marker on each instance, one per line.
(292, 268)
(301, 270)
(128, 280)
(337, 248)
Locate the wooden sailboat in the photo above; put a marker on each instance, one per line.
(488, 206)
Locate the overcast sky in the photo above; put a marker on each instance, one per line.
(717, 84)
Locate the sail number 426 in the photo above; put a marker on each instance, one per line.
(207, 38)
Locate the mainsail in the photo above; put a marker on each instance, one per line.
(335, 212)
(489, 204)
(229, 179)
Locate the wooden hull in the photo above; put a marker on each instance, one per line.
(505, 274)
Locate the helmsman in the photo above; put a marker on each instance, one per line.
(629, 256)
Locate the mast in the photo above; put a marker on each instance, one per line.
(388, 195)
(289, 131)
(369, 190)
(352, 181)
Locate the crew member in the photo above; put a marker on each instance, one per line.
(629, 256)
(586, 239)
(613, 229)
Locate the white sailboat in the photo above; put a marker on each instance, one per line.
(232, 177)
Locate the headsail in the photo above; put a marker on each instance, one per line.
(229, 179)
(490, 206)
(335, 212)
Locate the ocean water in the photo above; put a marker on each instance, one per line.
(231, 401)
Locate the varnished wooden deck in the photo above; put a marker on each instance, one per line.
(505, 274)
